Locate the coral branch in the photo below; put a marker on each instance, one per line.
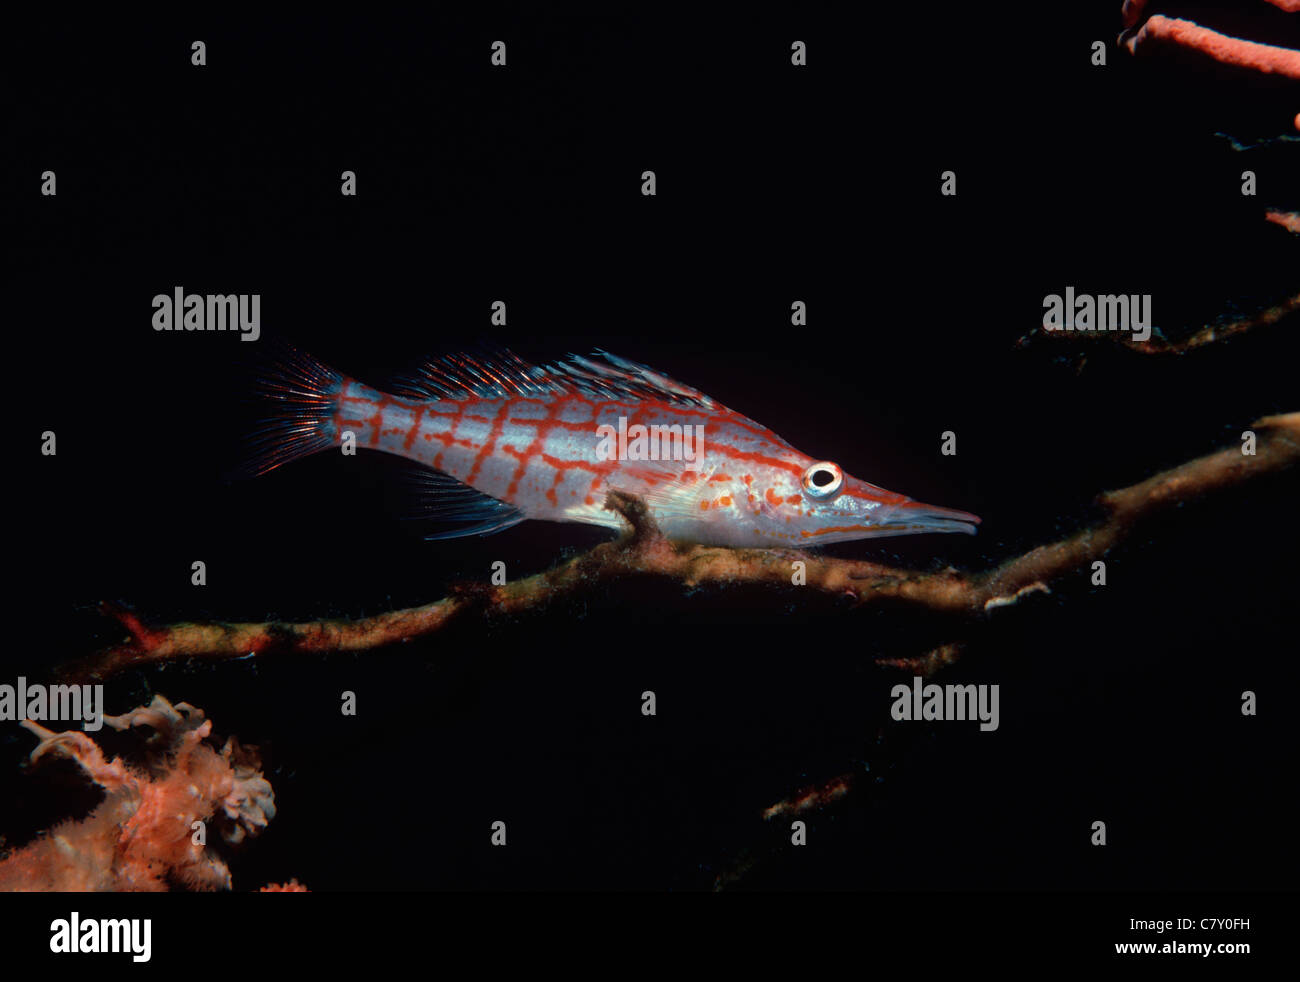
(810, 798)
(935, 659)
(1289, 220)
(1132, 11)
(1209, 334)
(1266, 58)
(645, 552)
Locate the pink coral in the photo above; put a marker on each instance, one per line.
(150, 831)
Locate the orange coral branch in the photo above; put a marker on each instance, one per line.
(810, 798)
(1289, 220)
(1266, 58)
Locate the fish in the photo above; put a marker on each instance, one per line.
(496, 441)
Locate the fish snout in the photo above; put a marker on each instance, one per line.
(915, 516)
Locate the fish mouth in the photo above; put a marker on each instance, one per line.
(913, 516)
(899, 518)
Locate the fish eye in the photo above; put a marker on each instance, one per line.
(823, 479)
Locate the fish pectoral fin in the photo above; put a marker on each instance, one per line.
(433, 496)
(669, 503)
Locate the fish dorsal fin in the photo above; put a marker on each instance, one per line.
(497, 373)
(619, 378)
(490, 373)
(615, 377)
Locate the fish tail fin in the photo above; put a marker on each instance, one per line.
(302, 395)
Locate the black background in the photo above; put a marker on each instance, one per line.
(774, 184)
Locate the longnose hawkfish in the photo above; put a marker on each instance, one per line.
(502, 441)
